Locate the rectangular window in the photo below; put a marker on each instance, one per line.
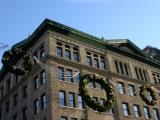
(76, 57)
(141, 74)
(63, 118)
(36, 82)
(15, 117)
(62, 100)
(102, 63)
(131, 90)
(42, 52)
(42, 77)
(68, 54)
(78, 78)
(125, 109)
(73, 118)
(69, 75)
(24, 91)
(89, 61)
(136, 110)
(71, 100)
(36, 106)
(121, 88)
(156, 77)
(80, 102)
(7, 106)
(60, 73)
(92, 84)
(24, 113)
(146, 112)
(156, 114)
(15, 99)
(43, 102)
(96, 64)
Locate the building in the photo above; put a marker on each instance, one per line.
(152, 52)
(49, 93)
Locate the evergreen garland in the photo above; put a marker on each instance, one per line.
(108, 104)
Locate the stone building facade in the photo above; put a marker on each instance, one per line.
(51, 90)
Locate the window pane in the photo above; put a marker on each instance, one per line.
(62, 98)
(102, 65)
(78, 78)
(156, 115)
(43, 77)
(68, 54)
(71, 100)
(121, 88)
(36, 106)
(131, 90)
(44, 102)
(63, 118)
(76, 57)
(136, 111)
(146, 112)
(125, 109)
(80, 102)
(69, 75)
(59, 51)
(88, 61)
(60, 73)
(96, 64)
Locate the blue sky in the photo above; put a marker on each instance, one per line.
(137, 20)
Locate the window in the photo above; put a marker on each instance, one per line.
(42, 52)
(102, 63)
(7, 107)
(25, 91)
(99, 86)
(36, 82)
(125, 109)
(15, 117)
(136, 110)
(131, 90)
(42, 77)
(69, 75)
(63, 118)
(156, 114)
(68, 54)
(59, 50)
(71, 100)
(15, 99)
(75, 54)
(122, 68)
(121, 88)
(95, 62)
(92, 84)
(80, 102)
(156, 77)
(73, 118)
(146, 112)
(35, 55)
(43, 102)
(36, 106)
(60, 73)
(141, 74)
(78, 78)
(24, 113)
(88, 59)
(62, 100)
(102, 101)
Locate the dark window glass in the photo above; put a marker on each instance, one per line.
(24, 113)
(7, 106)
(146, 112)
(36, 82)
(89, 61)
(125, 109)
(60, 73)
(78, 78)
(69, 75)
(59, 52)
(156, 114)
(25, 91)
(76, 57)
(71, 100)
(62, 100)
(42, 77)
(96, 64)
(63, 118)
(15, 117)
(15, 99)
(131, 90)
(68, 54)
(36, 106)
(136, 110)
(42, 52)
(43, 102)
(80, 102)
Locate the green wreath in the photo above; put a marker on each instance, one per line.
(16, 53)
(108, 104)
(143, 93)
